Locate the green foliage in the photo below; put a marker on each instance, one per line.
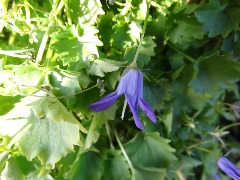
(58, 57)
(219, 18)
(148, 143)
(214, 73)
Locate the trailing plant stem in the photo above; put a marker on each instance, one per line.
(123, 151)
(134, 63)
(182, 53)
(43, 44)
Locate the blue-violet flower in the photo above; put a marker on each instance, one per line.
(229, 168)
(131, 85)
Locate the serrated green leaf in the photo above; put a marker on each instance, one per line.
(120, 38)
(135, 31)
(214, 73)
(186, 96)
(231, 44)
(156, 95)
(183, 28)
(139, 9)
(142, 173)
(85, 12)
(76, 48)
(7, 103)
(112, 79)
(145, 53)
(167, 119)
(101, 66)
(21, 78)
(65, 83)
(218, 18)
(115, 166)
(149, 150)
(105, 28)
(98, 120)
(27, 74)
(12, 171)
(89, 167)
(41, 127)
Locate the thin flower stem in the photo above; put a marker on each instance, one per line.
(59, 97)
(123, 151)
(68, 12)
(229, 126)
(200, 143)
(134, 63)
(206, 150)
(109, 135)
(47, 32)
(182, 53)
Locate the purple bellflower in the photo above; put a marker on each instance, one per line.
(131, 85)
(229, 168)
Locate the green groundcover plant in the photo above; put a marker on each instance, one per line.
(119, 89)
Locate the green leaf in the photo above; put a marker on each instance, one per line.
(215, 72)
(28, 74)
(102, 66)
(139, 9)
(89, 167)
(218, 18)
(23, 78)
(149, 150)
(3, 159)
(183, 28)
(120, 38)
(66, 83)
(156, 95)
(145, 53)
(105, 28)
(41, 127)
(112, 79)
(135, 31)
(142, 173)
(167, 119)
(85, 12)
(77, 48)
(7, 103)
(115, 166)
(186, 96)
(98, 120)
(231, 44)
(12, 171)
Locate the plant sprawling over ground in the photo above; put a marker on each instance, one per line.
(58, 57)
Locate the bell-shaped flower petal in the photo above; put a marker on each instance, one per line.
(147, 109)
(104, 103)
(131, 85)
(229, 168)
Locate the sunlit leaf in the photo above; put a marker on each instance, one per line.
(102, 66)
(43, 128)
(12, 171)
(85, 11)
(7, 103)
